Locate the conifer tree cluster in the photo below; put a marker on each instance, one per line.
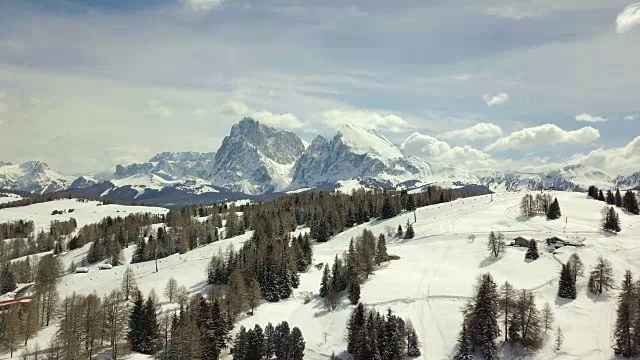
(626, 335)
(610, 220)
(480, 330)
(200, 330)
(371, 335)
(268, 264)
(523, 323)
(355, 266)
(628, 202)
(144, 333)
(16, 229)
(281, 342)
(7, 280)
(601, 277)
(540, 204)
(567, 283)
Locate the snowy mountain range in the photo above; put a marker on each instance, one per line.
(258, 161)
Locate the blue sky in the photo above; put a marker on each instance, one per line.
(85, 85)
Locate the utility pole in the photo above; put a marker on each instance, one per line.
(415, 218)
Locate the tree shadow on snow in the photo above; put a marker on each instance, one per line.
(201, 287)
(489, 260)
(562, 301)
(597, 298)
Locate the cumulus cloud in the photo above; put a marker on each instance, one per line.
(366, 119)
(548, 134)
(590, 118)
(476, 132)
(237, 109)
(618, 161)
(430, 148)
(630, 117)
(628, 18)
(496, 100)
(158, 109)
(201, 5)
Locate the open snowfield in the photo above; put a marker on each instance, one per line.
(84, 212)
(8, 197)
(432, 279)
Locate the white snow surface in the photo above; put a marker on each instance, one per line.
(9, 198)
(363, 141)
(433, 278)
(84, 212)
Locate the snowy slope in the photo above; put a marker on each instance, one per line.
(84, 212)
(434, 275)
(32, 176)
(8, 197)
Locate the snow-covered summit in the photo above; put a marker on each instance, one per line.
(32, 176)
(256, 158)
(356, 153)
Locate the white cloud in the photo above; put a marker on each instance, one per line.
(156, 108)
(628, 18)
(590, 118)
(548, 134)
(433, 149)
(496, 100)
(630, 117)
(235, 110)
(366, 119)
(202, 5)
(617, 161)
(286, 121)
(476, 132)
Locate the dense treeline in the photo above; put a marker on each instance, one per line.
(494, 311)
(16, 229)
(278, 341)
(371, 335)
(628, 202)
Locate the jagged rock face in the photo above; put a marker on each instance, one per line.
(255, 158)
(83, 182)
(628, 181)
(32, 176)
(171, 166)
(355, 153)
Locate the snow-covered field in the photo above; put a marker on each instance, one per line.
(84, 212)
(433, 277)
(8, 197)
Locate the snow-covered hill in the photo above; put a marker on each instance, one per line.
(433, 277)
(32, 176)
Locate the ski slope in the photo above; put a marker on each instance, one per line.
(433, 278)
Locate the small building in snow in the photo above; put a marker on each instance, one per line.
(520, 241)
(105, 267)
(82, 270)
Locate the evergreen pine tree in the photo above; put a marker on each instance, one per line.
(296, 345)
(623, 331)
(532, 250)
(269, 337)
(240, 348)
(610, 220)
(611, 200)
(409, 234)
(566, 285)
(411, 203)
(151, 328)
(325, 282)
(618, 198)
(381, 250)
(387, 209)
(553, 212)
(354, 326)
(601, 195)
(485, 317)
(400, 233)
(281, 341)
(413, 345)
(7, 281)
(136, 333)
(464, 349)
(354, 290)
(630, 202)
